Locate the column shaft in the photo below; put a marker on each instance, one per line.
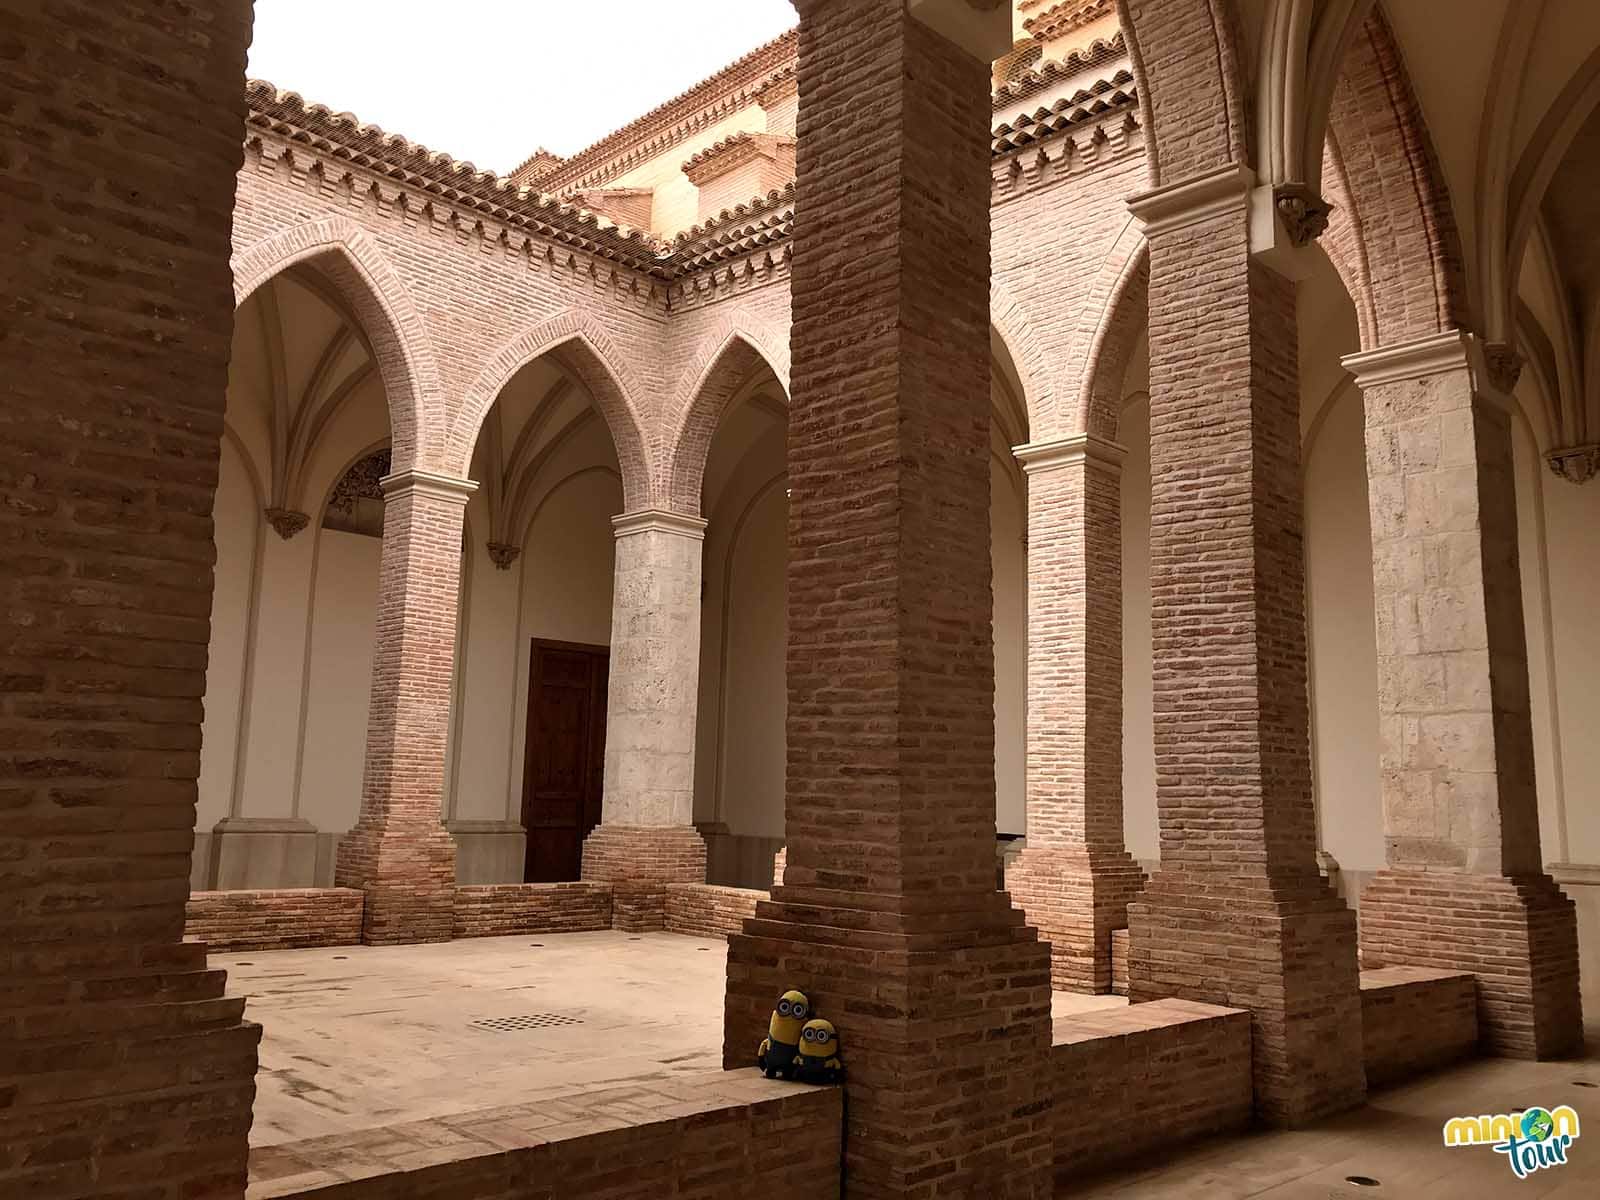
(1075, 877)
(888, 917)
(1238, 913)
(646, 838)
(1465, 887)
(399, 852)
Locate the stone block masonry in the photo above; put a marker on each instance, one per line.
(274, 919)
(1415, 1020)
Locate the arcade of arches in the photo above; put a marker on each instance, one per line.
(620, 523)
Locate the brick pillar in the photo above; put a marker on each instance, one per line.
(123, 1066)
(1075, 877)
(888, 916)
(1465, 887)
(399, 852)
(646, 838)
(1238, 914)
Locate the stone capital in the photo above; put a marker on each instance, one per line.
(1084, 449)
(1175, 206)
(427, 483)
(1575, 464)
(653, 520)
(1436, 354)
(286, 522)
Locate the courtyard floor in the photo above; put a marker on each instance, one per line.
(358, 1037)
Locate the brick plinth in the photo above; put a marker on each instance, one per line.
(398, 852)
(1076, 897)
(1239, 913)
(274, 919)
(124, 1069)
(1518, 937)
(1286, 952)
(500, 909)
(888, 916)
(1415, 1020)
(639, 862)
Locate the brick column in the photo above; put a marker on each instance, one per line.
(646, 838)
(1075, 877)
(124, 1069)
(1465, 887)
(888, 916)
(399, 852)
(1238, 914)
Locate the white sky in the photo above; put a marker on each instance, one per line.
(488, 81)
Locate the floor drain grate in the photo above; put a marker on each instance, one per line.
(526, 1021)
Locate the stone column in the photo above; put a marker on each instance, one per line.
(399, 852)
(646, 838)
(1075, 877)
(1238, 914)
(888, 917)
(1465, 887)
(124, 1069)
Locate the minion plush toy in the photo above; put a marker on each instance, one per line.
(818, 1060)
(779, 1048)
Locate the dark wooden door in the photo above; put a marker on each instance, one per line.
(565, 759)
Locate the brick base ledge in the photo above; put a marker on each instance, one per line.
(1518, 936)
(275, 919)
(1075, 898)
(639, 862)
(504, 909)
(1414, 1020)
(409, 876)
(705, 910)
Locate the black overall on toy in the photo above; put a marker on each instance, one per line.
(818, 1060)
(779, 1049)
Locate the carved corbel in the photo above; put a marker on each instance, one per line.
(286, 522)
(502, 555)
(1303, 212)
(1576, 464)
(1504, 366)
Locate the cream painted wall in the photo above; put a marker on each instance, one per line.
(238, 527)
(343, 624)
(676, 200)
(1008, 551)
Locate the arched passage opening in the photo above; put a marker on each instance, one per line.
(527, 736)
(298, 529)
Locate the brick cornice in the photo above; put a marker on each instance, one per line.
(1190, 201)
(718, 159)
(655, 520)
(1079, 449)
(428, 483)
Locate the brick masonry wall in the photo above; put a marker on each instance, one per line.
(703, 910)
(1132, 1083)
(123, 1066)
(274, 919)
(498, 910)
(715, 1136)
(638, 863)
(1414, 1020)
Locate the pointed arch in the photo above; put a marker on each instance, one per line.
(585, 351)
(390, 320)
(1009, 320)
(1116, 310)
(724, 361)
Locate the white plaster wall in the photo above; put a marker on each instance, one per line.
(339, 682)
(238, 526)
(1343, 636)
(1008, 523)
(479, 784)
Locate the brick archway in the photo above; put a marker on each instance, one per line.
(1011, 321)
(1108, 329)
(724, 361)
(586, 351)
(354, 264)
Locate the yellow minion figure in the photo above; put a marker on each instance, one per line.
(777, 1055)
(818, 1060)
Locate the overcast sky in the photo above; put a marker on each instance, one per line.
(490, 80)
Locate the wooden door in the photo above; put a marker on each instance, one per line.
(564, 762)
